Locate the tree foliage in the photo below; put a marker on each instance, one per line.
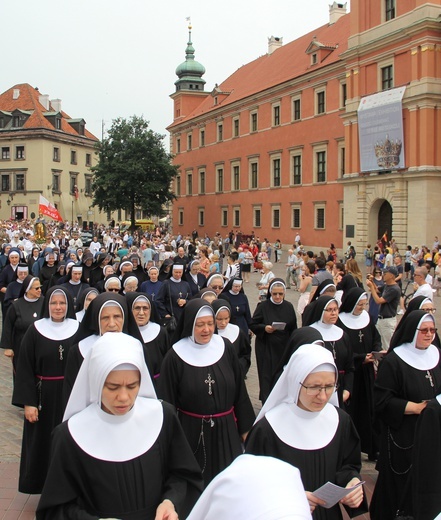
(134, 169)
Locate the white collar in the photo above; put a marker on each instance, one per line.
(302, 429)
(30, 300)
(150, 331)
(57, 330)
(80, 315)
(117, 438)
(86, 344)
(230, 332)
(355, 322)
(328, 332)
(417, 358)
(438, 398)
(174, 280)
(75, 283)
(200, 355)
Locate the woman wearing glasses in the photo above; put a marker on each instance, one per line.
(365, 340)
(273, 322)
(408, 377)
(322, 314)
(22, 313)
(299, 424)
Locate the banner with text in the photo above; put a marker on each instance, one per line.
(46, 208)
(380, 131)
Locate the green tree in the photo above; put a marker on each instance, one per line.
(134, 169)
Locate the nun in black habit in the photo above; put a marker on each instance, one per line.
(408, 377)
(108, 312)
(240, 341)
(39, 384)
(365, 339)
(273, 323)
(201, 377)
(156, 342)
(196, 280)
(322, 314)
(240, 307)
(120, 453)
(173, 294)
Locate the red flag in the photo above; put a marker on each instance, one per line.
(48, 209)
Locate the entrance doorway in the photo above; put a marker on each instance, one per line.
(385, 220)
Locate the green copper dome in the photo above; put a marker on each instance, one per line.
(190, 72)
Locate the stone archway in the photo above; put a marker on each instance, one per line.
(380, 220)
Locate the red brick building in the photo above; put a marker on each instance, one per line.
(275, 147)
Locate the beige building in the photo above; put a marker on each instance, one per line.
(44, 151)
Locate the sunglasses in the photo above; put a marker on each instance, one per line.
(428, 331)
(113, 290)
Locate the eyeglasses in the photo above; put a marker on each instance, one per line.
(315, 390)
(113, 290)
(331, 310)
(430, 311)
(428, 331)
(38, 288)
(216, 286)
(277, 294)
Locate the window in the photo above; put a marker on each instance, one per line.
(236, 178)
(5, 183)
(201, 216)
(6, 152)
(56, 154)
(254, 173)
(296, 109)
(56, 182)
(276, 173)
(202, 182)
(342, 161)
(17, 121)
(88, 185)
(119, 215)
(181, 217)
(178, 145)
(58, 123)
(73, 157)
(297, 169)
(202, 138)
(220, 180)
(321, 166)
(109, 215)
(236, 217)
(73, 184)
(257, 217)
(343, 94)
(276, 217)
(320, 102)
(178, 185)
(220, 132)
(387, 77)
(189, 141)
(19, 182)
(88, 159)
(189, 184)
(236, 127)
(320, 217)
(253, 124)
(19, 152)
(224, 217)
(314, 59)
(390, 9)
(276, 115)
(296, 214)
(341, 212)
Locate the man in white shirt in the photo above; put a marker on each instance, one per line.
(421, 286)
(94, 246)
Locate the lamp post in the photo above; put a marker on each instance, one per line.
(72, 213)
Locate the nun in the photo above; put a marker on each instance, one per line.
(240, 306)
(408, 377)
(39, 384)
(76, 284)
(201, 377)
(152, 285)
(196, 280)
(300, 424)
(84, 301)
(273, 322)
(156, 342)
(173, 294)
(322, 314)
(365, 340)
(257, 488)
(226, 329)
(120, 453)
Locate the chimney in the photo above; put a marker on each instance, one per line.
(56, 105)
(44, 100)
(336, 11)
(274, 43)
(16, 93)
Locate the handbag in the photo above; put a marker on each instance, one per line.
(170, 323)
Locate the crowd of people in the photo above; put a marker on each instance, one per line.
(130, 358)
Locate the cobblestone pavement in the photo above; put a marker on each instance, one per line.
(14, 505)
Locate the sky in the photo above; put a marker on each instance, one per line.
(117, 58)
